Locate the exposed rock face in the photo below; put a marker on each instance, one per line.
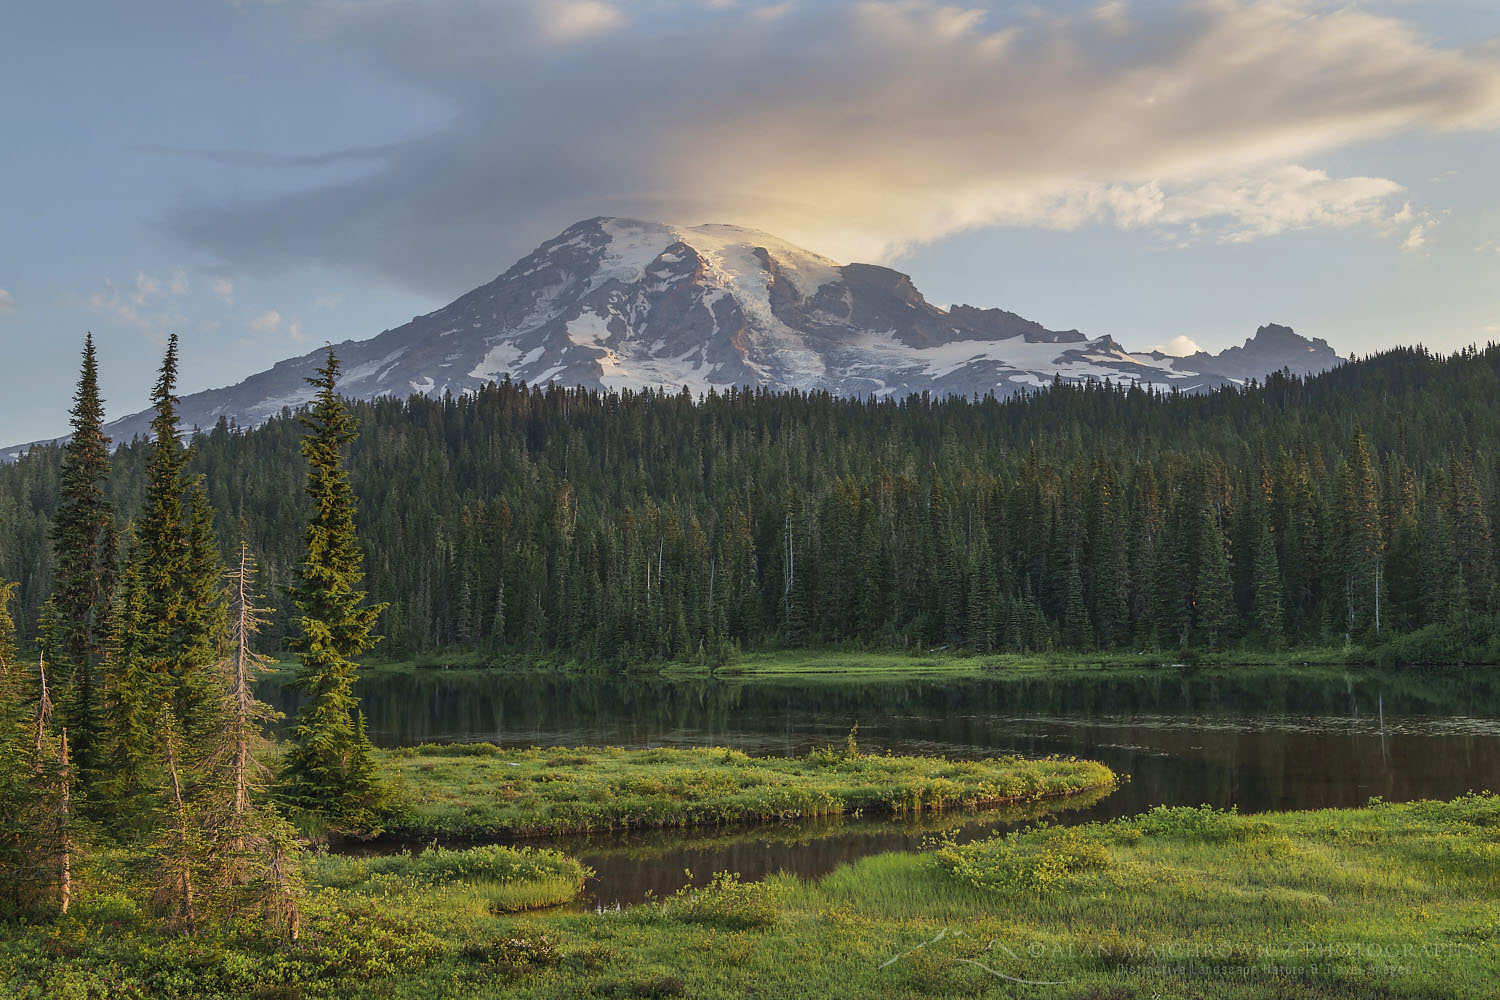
(622, 304)
(1272, 348)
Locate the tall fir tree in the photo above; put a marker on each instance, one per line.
(1358, 541)
(177, 571)
(1266, 590)
(83, 544)
(328, 767)
(1213, 592)
(130, 698)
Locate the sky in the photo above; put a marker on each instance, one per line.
(265, 176)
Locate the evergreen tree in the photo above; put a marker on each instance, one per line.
(1472, 540)
(1213, 595)
(328, 768)
(1358, 543)
(83, 544)
(36, 829)
(176, 571)
(131, 696)
(178, 853)
(250, 846)
(1078, 631)
(1266, 587)
(20, 804)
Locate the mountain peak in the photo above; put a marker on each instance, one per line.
(1273, 348)
(616, 303)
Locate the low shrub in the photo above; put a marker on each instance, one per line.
(1197, 824)
(726, 902)
(1040, 861)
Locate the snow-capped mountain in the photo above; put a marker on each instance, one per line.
(623, 304)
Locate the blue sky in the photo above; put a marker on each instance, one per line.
(262, 177)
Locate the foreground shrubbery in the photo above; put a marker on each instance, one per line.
(367, 922)
(1393, 901)
(480, 789)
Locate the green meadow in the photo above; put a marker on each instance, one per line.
(1387, 901)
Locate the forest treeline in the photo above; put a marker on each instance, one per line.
(1355, 506)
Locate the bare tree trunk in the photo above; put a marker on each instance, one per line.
(65, 871)
(182, 871)
(243, 701)
(43, 709)
(283, 910)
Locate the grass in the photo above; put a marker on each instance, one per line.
(1390, 901)
(478, 789)
(507, 879)
(804, 664)
(830, 664)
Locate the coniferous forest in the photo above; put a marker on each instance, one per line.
(1353, 507)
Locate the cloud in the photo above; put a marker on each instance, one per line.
(144, 288)
(569, 21)
(294, 330)
(254, 158)
(1178, 347)
(179, 285)
(1281, 199)
(1416, 237)
(857, 128)
(129, 307)
(122, 309)
(223, 288)
(7, 303)
(267, 322)
(327, 301)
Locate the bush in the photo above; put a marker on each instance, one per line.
(726, 902)
(515, 956)
(1040, 861)
(1200, 823)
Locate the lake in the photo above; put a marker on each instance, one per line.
(1254, 740)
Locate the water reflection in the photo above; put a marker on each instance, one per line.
(1255, 741)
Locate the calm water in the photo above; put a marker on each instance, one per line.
(1257, 743)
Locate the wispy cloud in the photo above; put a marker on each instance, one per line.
(133, 306)
(7, 303)
(862, 128)
(222, 287)
(144, 288)
(257, 159)
(265, 323)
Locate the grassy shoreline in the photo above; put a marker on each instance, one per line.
(834, 664)
(481, 790)
(1395, 901)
